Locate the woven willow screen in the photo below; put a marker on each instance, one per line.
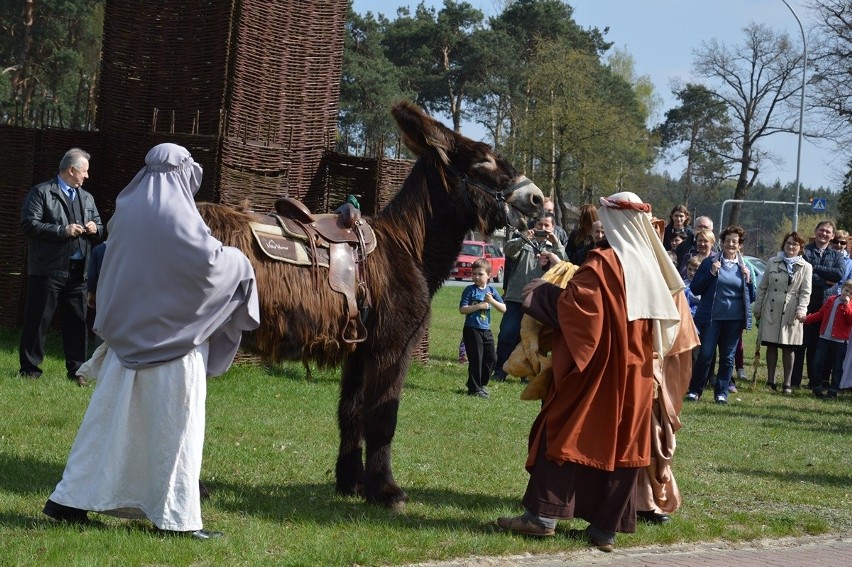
(250, 87)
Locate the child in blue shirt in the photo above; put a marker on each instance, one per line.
(476, 303)
(691, 298)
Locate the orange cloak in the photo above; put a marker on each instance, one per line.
(597, 412)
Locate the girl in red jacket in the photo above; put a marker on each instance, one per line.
(835, 317)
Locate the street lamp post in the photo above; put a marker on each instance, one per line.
(801, 115)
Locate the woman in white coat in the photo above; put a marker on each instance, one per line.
(782, 297)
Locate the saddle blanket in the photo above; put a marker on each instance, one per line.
(277, 246)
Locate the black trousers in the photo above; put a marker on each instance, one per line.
(479, 344)
(805, 355)
(45, 296)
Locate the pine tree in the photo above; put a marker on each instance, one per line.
(844, 201)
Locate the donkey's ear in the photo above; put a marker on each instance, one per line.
(421, 133)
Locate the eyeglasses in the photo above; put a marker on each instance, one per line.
(839, 242)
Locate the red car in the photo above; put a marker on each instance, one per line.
(473, 250)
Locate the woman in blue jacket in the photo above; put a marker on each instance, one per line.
(727, 291)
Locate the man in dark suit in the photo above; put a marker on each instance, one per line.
(60, 220)
(828, 267)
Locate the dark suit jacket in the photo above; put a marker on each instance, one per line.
(44, 216)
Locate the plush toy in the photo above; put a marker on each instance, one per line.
(531, 358)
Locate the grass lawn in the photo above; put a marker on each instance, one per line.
(764, 466)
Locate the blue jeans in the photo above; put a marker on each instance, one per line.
(828, 363)
(510, 335)
(725, 335)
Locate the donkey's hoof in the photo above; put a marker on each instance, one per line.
(392, 498)
(356, 490)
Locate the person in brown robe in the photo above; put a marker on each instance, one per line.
(657, 493)
(593, 434)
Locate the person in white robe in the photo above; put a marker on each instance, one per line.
(172, 304)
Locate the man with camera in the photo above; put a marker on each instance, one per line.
(531, 253)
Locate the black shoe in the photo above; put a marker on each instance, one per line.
(67, 514)
(30, 374)
(204, 535)
(819, 393)
(651, 517)
(772, 386)
(498, 377)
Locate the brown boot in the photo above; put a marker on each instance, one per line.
(521, 525)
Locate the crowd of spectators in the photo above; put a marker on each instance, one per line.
(805, 277)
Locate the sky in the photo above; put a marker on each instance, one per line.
(662, 35)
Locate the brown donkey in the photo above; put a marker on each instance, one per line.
(456, 185)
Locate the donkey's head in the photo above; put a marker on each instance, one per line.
(479, 182)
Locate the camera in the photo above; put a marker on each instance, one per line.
(540, 233)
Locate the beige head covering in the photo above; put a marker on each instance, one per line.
(650, 277)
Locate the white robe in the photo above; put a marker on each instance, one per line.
(138, 451)
(846, 379)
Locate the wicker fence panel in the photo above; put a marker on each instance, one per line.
(251, 88)
(165, 66)
(286, 71)
(344, 175)
(391, 175)
(253, 171)
(283, 94)
(373, 180)
(17, 162)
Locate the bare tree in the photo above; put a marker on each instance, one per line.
(758, 80)
(830, 86)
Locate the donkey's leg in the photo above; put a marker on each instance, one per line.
(349, 471)
(381, 405)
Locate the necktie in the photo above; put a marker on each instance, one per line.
(72, 193)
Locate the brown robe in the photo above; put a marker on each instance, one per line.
(598, 410)
(594, 429)
(656, 488)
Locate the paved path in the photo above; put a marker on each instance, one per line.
(832, 551)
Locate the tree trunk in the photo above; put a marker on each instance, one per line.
(743, 184)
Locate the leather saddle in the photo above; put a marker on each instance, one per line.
(339, 241)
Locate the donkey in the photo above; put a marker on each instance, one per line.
(456, 185)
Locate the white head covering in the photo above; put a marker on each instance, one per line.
(166, 284)
(650, 277)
